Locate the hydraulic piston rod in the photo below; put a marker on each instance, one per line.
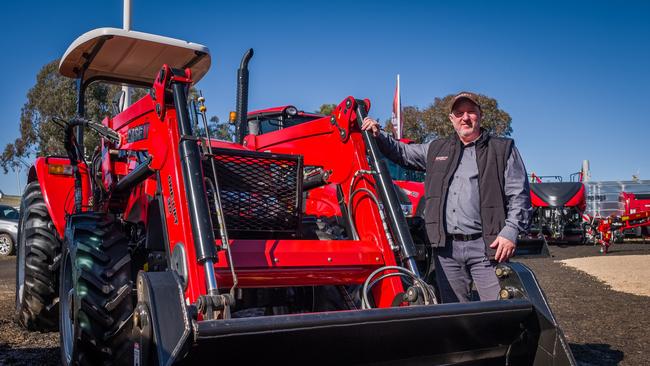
(396, 221)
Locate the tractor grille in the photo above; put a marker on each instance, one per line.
(261, 193)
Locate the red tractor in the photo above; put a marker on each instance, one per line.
(408, 183)
(558, 208)
(167, 247)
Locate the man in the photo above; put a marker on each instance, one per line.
(477, 199)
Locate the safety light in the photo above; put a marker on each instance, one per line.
(59, 169)
(291, 111)
(232, 117)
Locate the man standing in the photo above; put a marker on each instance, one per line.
(477, 199)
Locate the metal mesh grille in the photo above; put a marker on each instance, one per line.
(260, 193)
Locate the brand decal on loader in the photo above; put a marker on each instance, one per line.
(171, 204)
(441, 158)
(138, 133)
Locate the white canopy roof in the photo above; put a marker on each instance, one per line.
(131, 57)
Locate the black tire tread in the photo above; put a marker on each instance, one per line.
(102, 265)
(37, 310)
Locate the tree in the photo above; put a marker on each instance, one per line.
(413, 126)
(218, 130)
(326, 109)
(434, 120)
(53, 96)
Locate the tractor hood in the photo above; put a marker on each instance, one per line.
(130, 57)
(556, 194)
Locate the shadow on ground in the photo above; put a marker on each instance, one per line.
(596, 354)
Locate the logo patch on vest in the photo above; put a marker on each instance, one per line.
(441, 158)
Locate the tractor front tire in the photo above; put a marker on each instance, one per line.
(96, 284)
(37, 264)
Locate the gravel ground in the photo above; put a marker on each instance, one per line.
(602, 325)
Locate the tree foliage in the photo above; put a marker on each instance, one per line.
(326, 109)
(53, 96)
(218, 130)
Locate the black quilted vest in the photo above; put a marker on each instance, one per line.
(442, 160)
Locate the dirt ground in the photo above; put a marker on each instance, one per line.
(603, 325)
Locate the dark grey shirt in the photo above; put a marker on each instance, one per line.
(462, 209)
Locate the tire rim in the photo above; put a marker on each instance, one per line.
(5, 245)
(66, 306)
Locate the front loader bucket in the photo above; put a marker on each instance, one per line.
(516, 331)
(532, 246)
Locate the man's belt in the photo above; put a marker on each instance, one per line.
(464, 237)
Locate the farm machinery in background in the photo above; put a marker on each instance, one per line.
(558, 208)
(167, 247)
(633, 220)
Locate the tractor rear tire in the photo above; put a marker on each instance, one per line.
(96, 292)
(37, 264)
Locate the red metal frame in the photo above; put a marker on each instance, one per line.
(58, 189)
(322, 201)
(271, 263)
(631, 203)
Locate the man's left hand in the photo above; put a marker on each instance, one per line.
(505, 248)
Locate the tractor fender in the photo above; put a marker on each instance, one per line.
(54, 174)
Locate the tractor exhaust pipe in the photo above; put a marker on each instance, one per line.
(242, 95)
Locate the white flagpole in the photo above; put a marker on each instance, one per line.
(399, 111)
(126, 25)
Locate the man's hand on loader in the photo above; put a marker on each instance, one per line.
(370, 124)
(505, 248)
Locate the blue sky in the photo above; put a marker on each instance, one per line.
(574, 75)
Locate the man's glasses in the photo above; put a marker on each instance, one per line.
(459, 114)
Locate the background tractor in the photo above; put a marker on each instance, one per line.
(162, 246)
(558, 208)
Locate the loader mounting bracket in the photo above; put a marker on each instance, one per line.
(215, 306)
(161, 323)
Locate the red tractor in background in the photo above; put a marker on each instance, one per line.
(558, 208)
(164, 247)
(632, 203)
(409, 183)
